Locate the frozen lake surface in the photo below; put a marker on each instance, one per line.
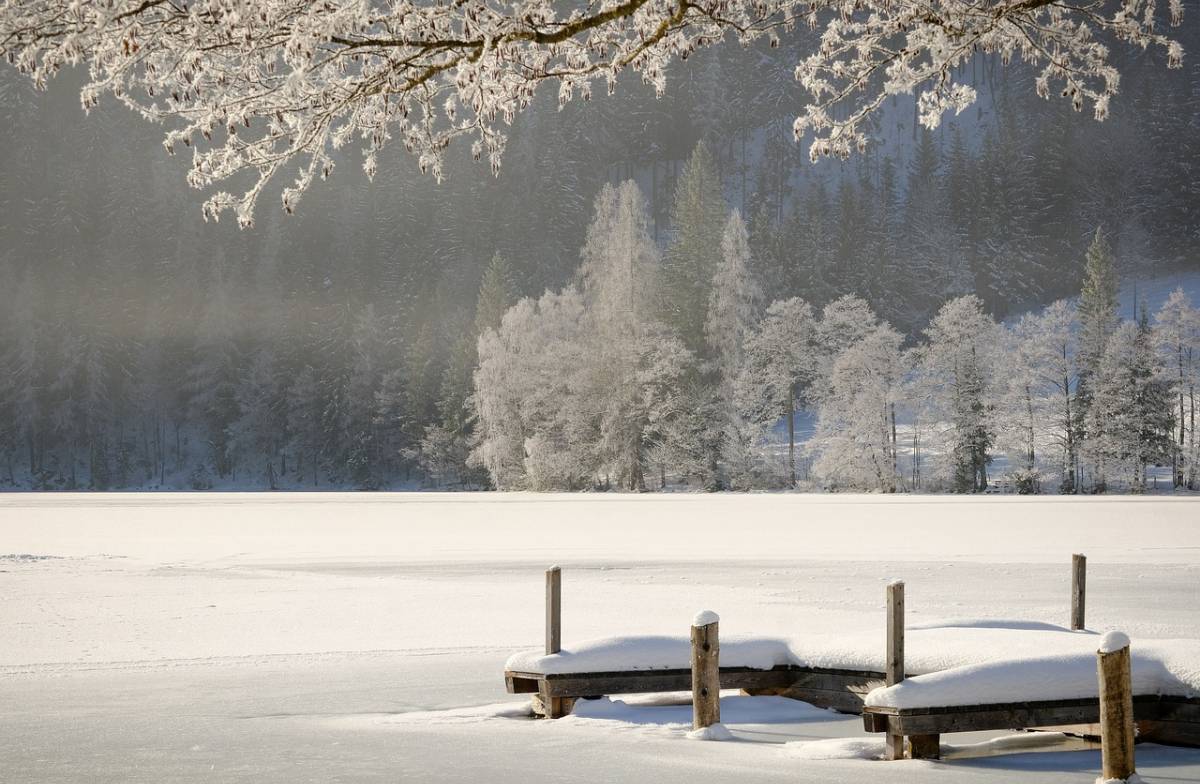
(288, 638)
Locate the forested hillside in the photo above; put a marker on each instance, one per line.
(143, 347)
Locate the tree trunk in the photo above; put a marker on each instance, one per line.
(791, 420)
(895, 448)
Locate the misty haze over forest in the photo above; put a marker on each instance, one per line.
(146, 348)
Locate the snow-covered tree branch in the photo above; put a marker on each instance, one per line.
(262, 88)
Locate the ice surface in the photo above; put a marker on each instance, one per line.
(281, 638)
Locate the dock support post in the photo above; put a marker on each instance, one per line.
(894, 670)
(706, 671)
(1116, 707)
(553, 706)
(1078, 590)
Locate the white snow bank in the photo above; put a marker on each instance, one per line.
(836, 749)
(1159, 667)
(613, 654)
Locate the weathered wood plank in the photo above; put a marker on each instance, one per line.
(515, 684)
(1173, 733)
(786, 680)
(974, 718)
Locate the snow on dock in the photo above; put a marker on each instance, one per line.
(986, 658)
(1160, 667)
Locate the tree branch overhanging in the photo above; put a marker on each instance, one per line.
(251, 87)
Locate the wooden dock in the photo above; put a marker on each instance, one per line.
(914, 732)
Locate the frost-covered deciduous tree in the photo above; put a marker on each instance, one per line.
(529, 433)
(780, 363)
(1177, 326)
(1038, 375)
(577, 389)
(957, 373)
(277, 86)
(856, 427)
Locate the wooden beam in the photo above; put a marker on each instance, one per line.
(706, 671)
(894, 666)
(1116, 708)
(1002, 716)
(1078, 590)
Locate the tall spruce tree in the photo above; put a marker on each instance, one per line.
(1098, 320)
(497, 293)
(694, 252)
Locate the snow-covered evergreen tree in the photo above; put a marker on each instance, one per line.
(306, 433)
(1098, 320)
(733, 312)
(1129, 421)
(694, 252)
(212, 378)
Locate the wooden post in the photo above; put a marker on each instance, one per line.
(894, 668)
(553, 707)
(1078, 590)
(1116, 707)
(553, 610)
(706, 671)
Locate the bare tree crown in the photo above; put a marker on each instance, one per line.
(269, 85)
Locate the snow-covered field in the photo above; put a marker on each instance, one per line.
(273, 638)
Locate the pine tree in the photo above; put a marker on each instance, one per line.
(214, 373)
(733, 310)
(1098, 320)
(1130, 421)
(497, 293)
(694, 252)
